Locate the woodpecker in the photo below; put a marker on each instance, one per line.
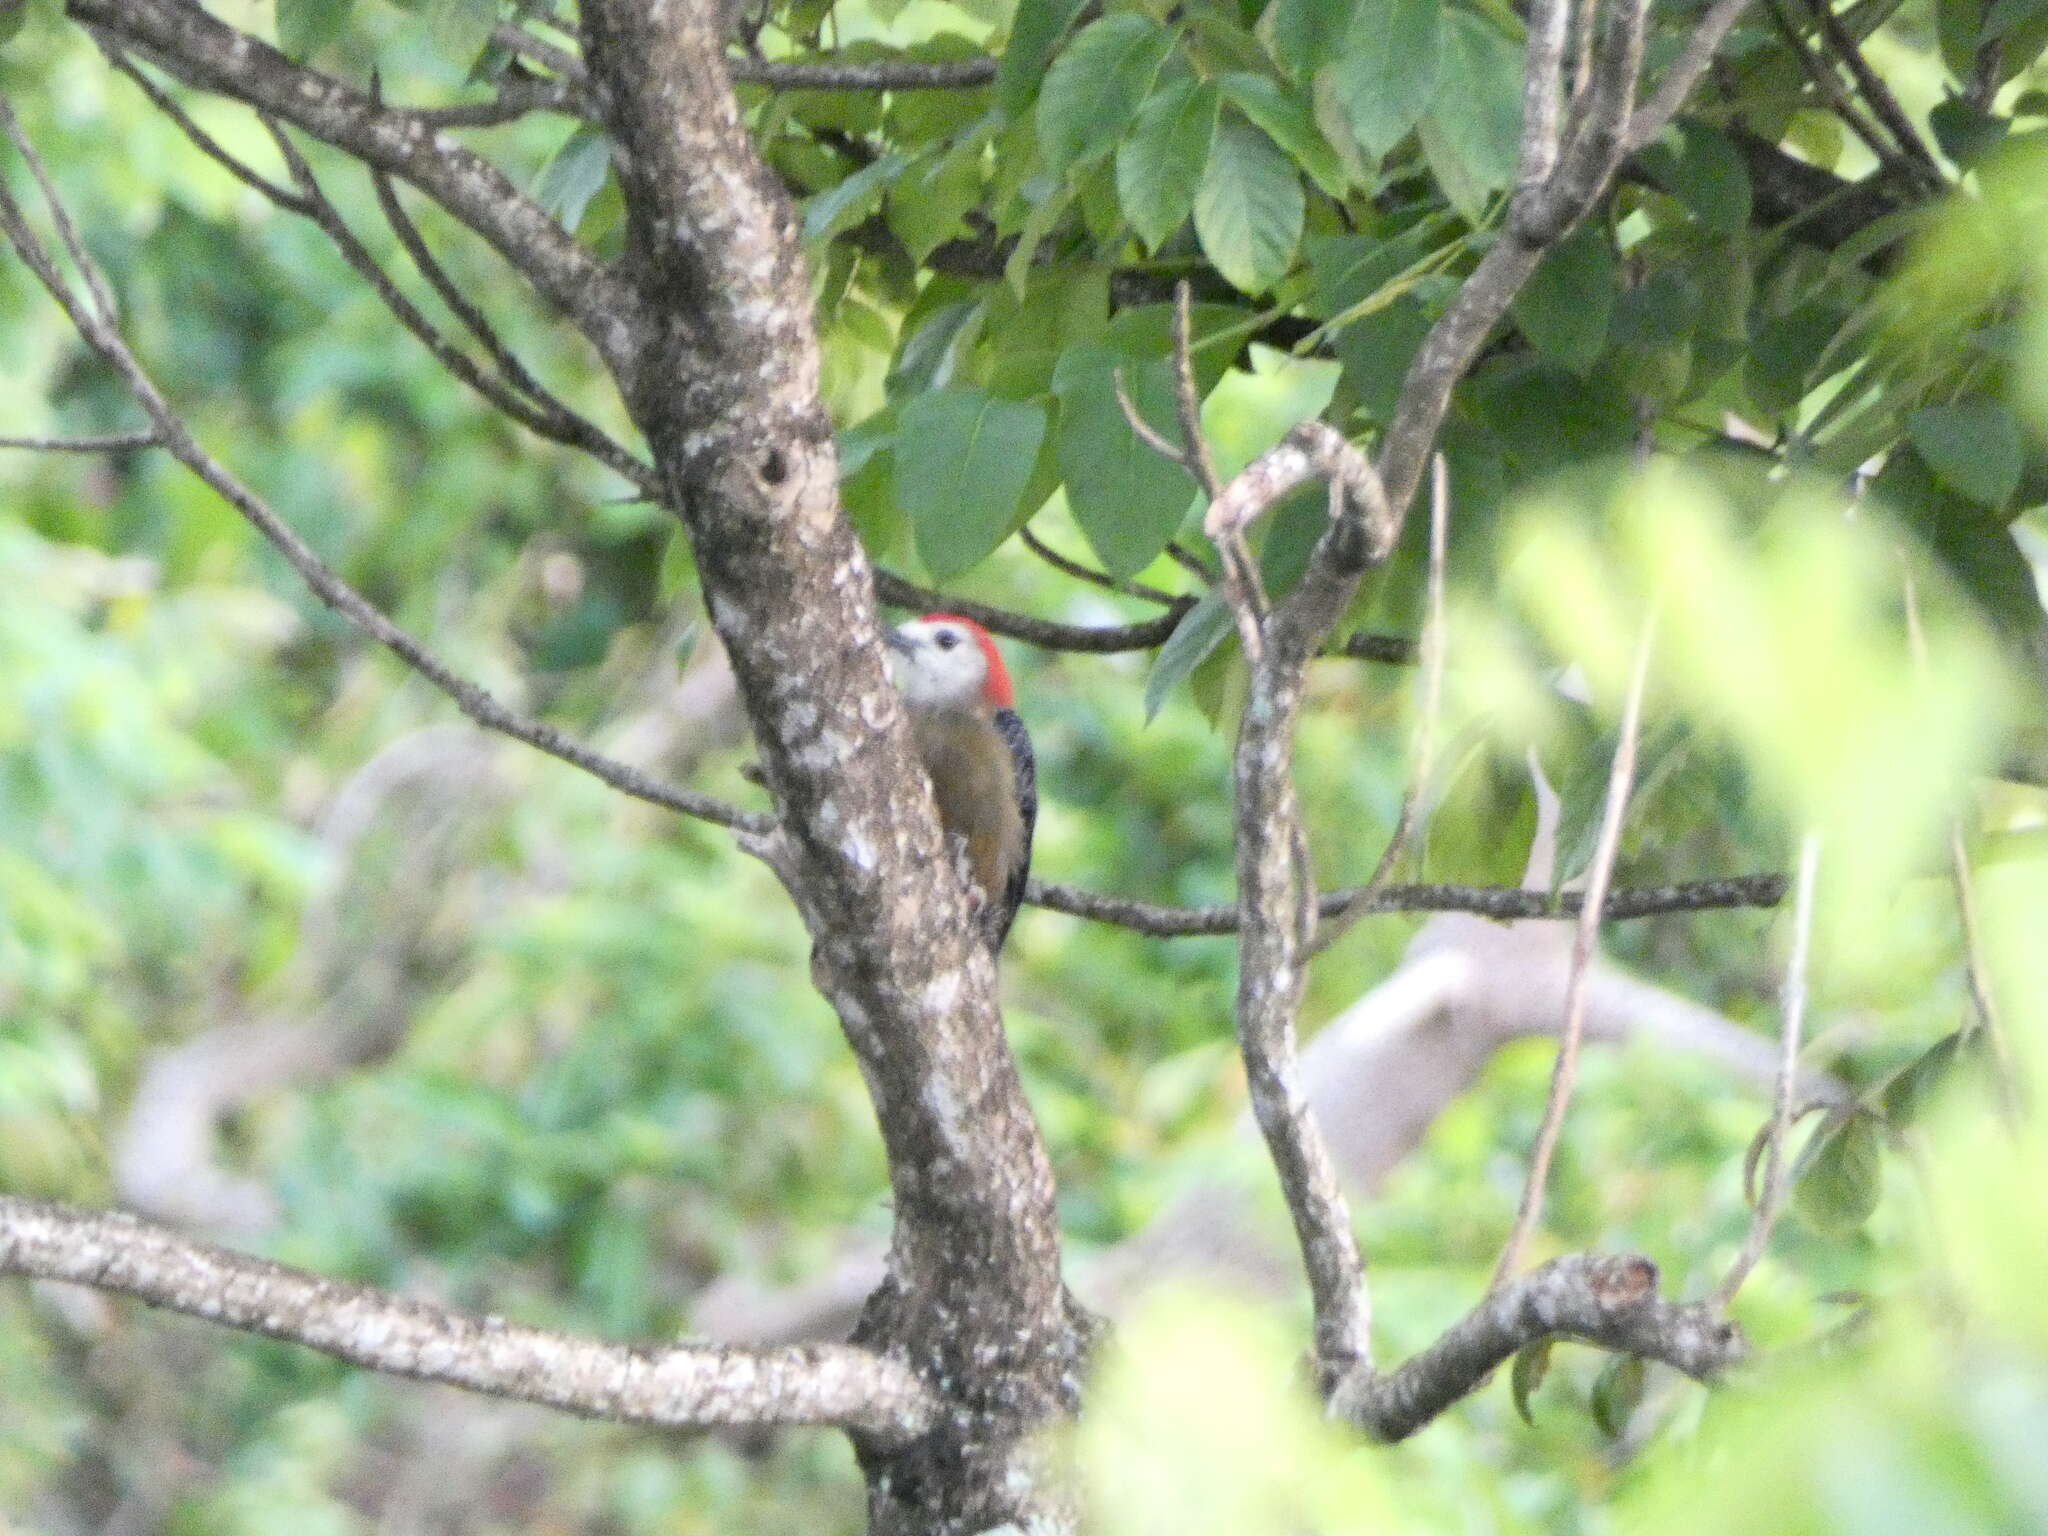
(975, 747)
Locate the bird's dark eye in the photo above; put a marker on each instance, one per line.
(946, 639)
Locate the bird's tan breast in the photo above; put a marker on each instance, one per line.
(976, 786)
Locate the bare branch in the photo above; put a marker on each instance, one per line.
(1896, 163)
(677, 1386)
(1926, 169)
(200, 139)
(1543, 94)
(1146, 433)
(1606, 1299)
(1093, 577)
(549, 416)
(205, 53)
(1792, 1017)
(112, 442)
(543, 418)
(1187, 399)
(1503, 903)
(515, 99)
(1683, 73)
(1047, 634)
(1364, 645)
(1277, 905)
(811, 74)
(176, 438)
(864, 75)
(1563, 1075)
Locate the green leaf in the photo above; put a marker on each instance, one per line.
(1288, 122)
(1035, 33)
(1564, 308)
(1973, 542)
(1784, 352)
(1698, 166)
(928, 205)
(1096, 86)
(1906, 1091)
(1532, 1364)
(574, 176)
(1844, 1178)
(2007, 15)
(1973, 447)
(1204, 627)
(963, 457)
(1249, 210)
(838, 208)
(1376, 352)
(1385, 73)
(1470, 131)
(1128, 500)
(304, 27)
(1161, 164)
(1617, 1393)
(1304, 35)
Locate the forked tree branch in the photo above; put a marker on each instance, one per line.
(207, 54)
(1609, 1300)
(674, 1386)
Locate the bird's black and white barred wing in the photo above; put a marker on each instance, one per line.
(1010, 726)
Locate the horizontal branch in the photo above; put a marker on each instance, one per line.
(828, 74)
(112, 442)
(1505, 903)
(1044, 633)
(677, 1386)
(1606, 1299)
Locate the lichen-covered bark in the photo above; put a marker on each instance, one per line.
(724, 383)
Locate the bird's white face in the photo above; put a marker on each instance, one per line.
(937, 664)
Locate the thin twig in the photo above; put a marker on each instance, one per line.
(1974, 970)
(1609, 1300)
(1047, 634)
(1192, 563)
(1564, 1072)
(1683, 73)
(540, 414)
(1187, 397)
(100, 333)
(1502, 903)
(1093, 577)
(567, 426)
(1792, 1010)
(1147, 434)
(1844, 105)
(1878, 95)
(1429, 709)
(112, 442)
(1365, 645)
(814, 74)
(200, 139)
(60, 216)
